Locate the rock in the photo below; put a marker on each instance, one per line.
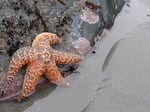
(22, 20)
(107, 11)
(82, 45)
(89, 16)
(9, 91)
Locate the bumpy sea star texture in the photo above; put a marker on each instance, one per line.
(41, 59)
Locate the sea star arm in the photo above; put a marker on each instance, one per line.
(65, 58)
(47, 38)
(53, 75)
(20, 58)
(31, 79)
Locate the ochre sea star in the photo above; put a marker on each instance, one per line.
(41, 59)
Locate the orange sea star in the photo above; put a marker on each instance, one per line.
(41, 59)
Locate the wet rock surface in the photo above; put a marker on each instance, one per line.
(22, 20)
